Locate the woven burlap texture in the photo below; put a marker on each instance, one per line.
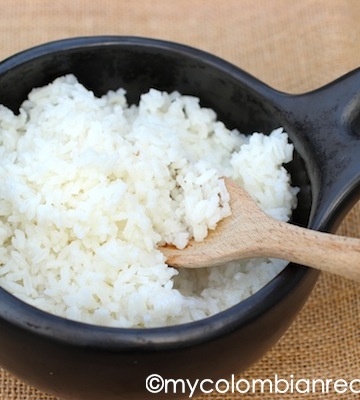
(291, 45)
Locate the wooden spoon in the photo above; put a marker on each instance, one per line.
(250, 233)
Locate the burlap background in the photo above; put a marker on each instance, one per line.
(294, 46)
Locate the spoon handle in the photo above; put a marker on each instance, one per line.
(327, 252)
(270, 238)
(250, 233)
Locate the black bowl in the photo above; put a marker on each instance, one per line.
(81, 361)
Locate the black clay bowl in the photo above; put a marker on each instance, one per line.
(79, 361)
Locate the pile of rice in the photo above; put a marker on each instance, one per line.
(91, 187)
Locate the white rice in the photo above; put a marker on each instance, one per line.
(90, 187)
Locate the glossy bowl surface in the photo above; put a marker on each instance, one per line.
(78, 361)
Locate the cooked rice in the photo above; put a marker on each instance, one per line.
(91, 187)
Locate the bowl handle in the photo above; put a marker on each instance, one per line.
(326, 127)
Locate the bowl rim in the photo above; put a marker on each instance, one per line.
(53, 327)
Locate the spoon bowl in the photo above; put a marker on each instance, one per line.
(249, 233)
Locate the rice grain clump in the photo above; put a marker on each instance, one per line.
(90, 187)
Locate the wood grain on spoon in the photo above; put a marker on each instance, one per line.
(250, 233)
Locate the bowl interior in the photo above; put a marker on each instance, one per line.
(138, 65)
